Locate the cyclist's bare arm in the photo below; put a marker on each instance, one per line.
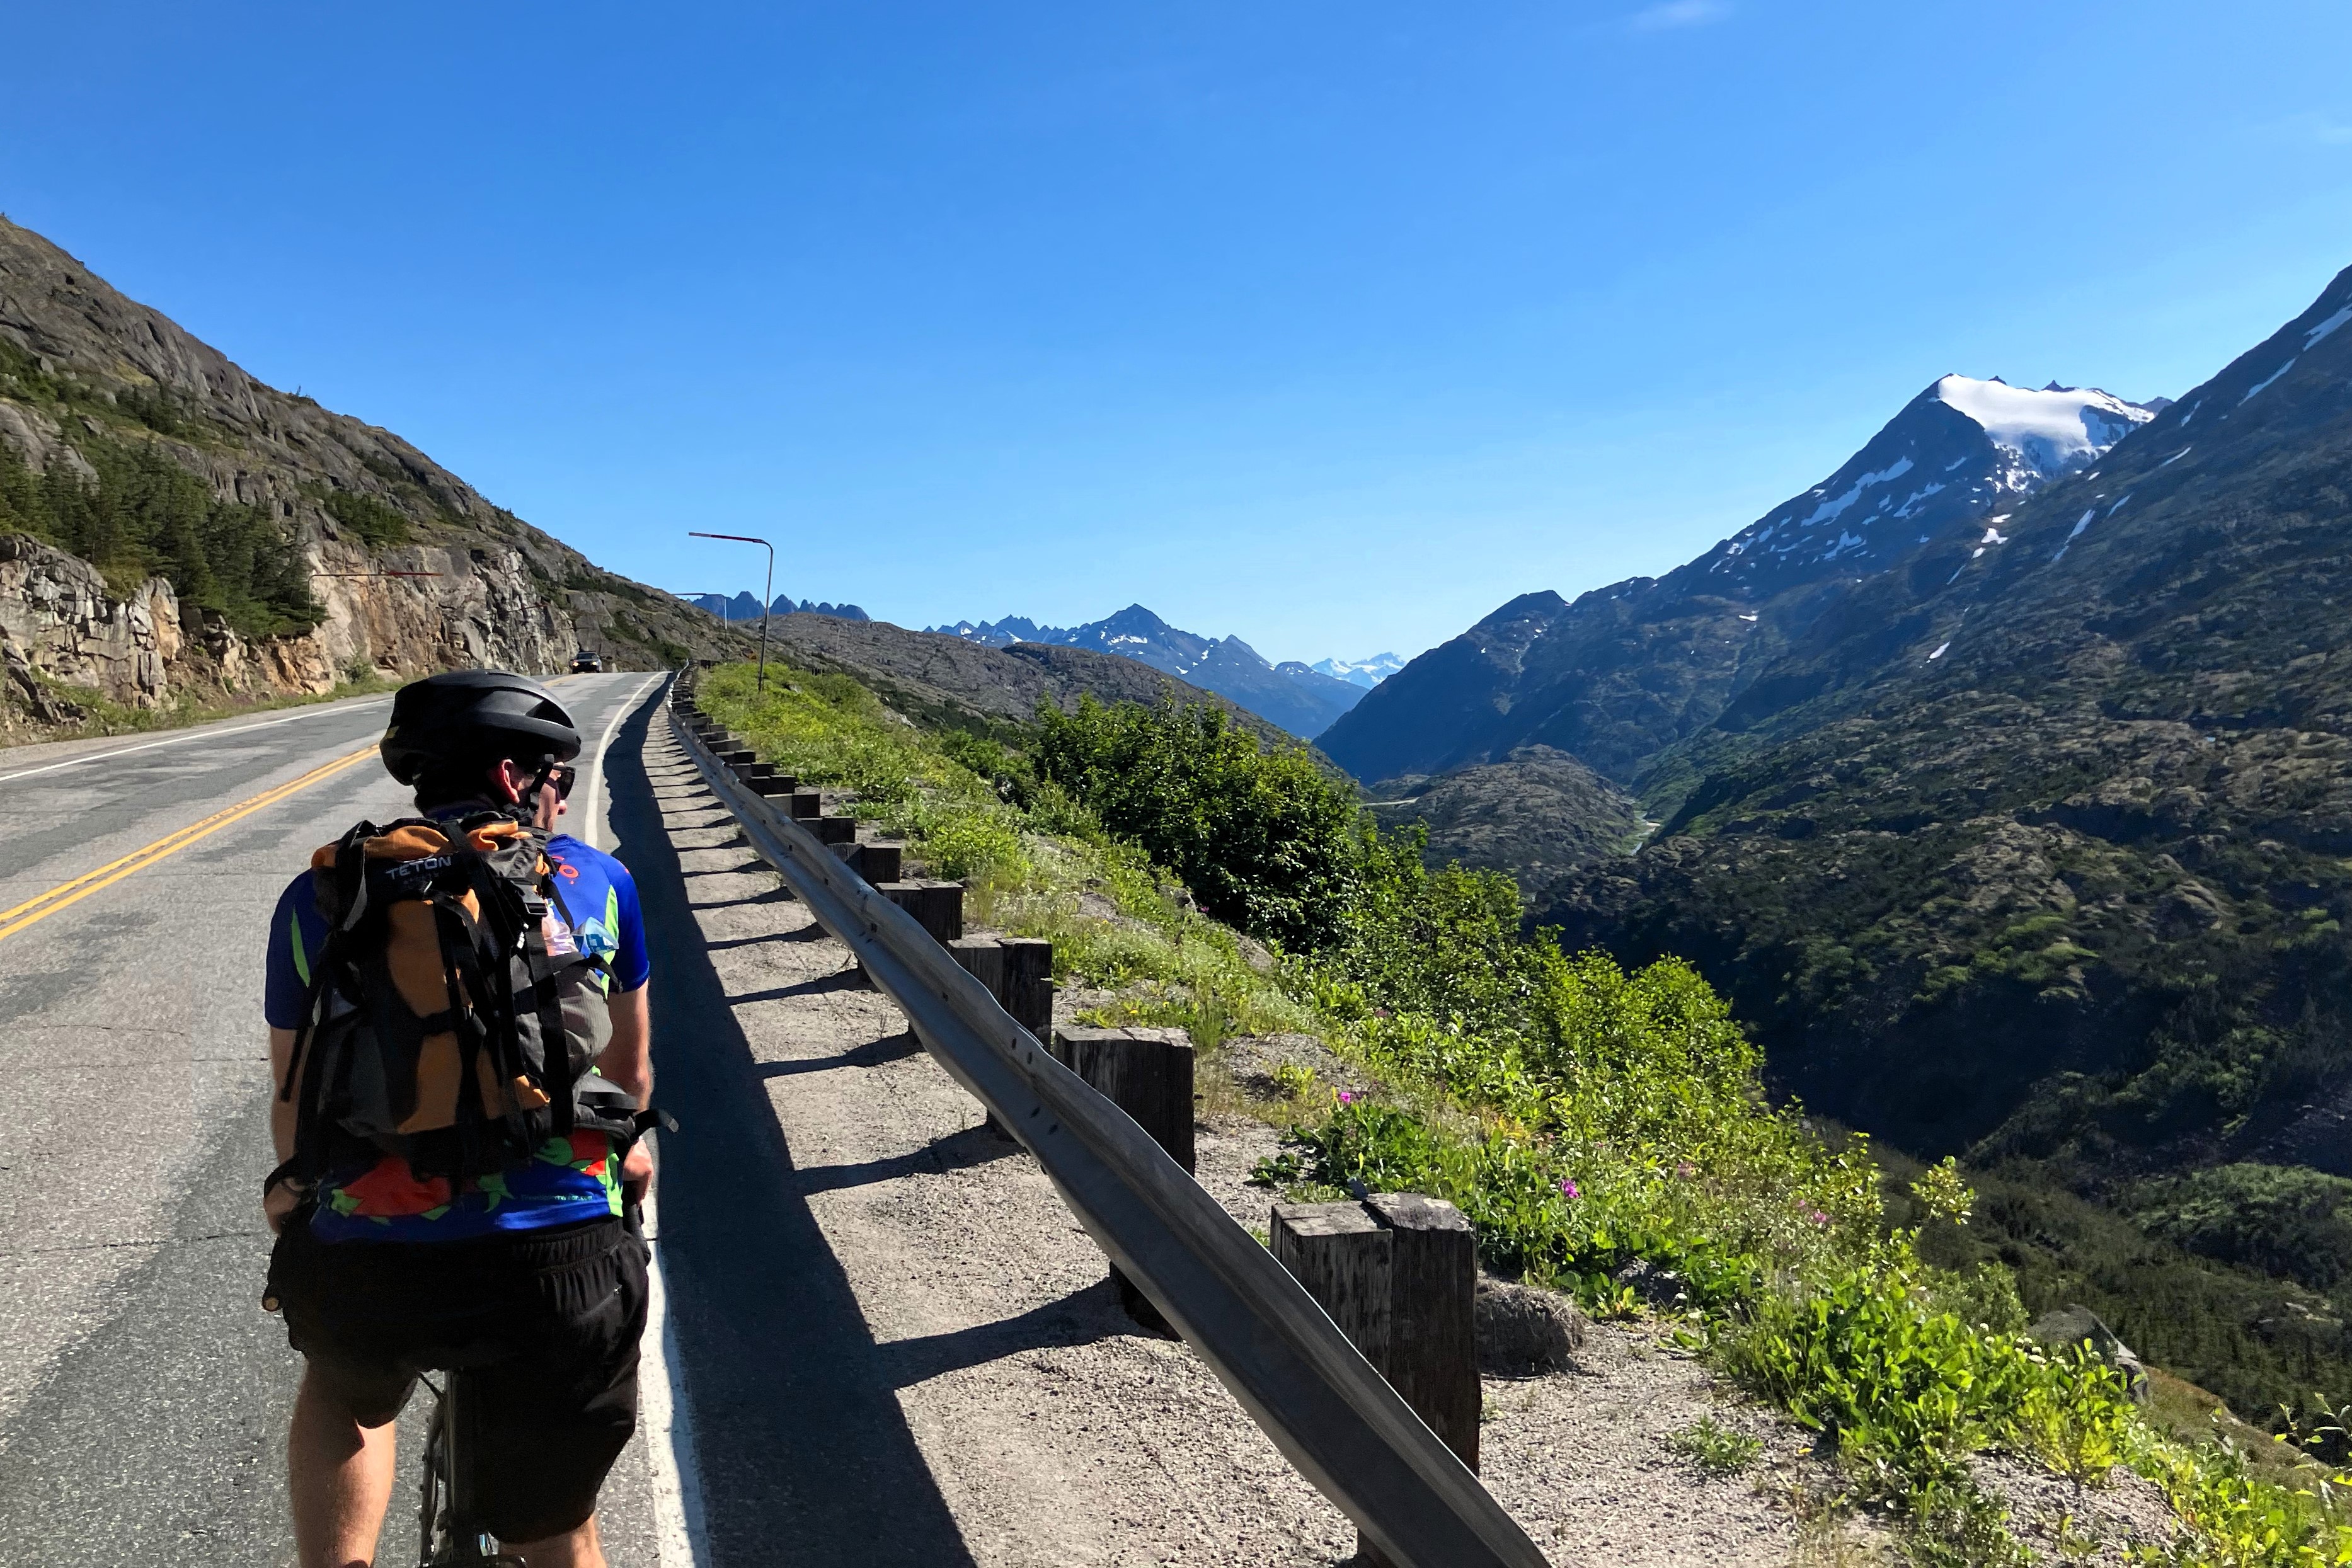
(279, 1200)
(627, 1059)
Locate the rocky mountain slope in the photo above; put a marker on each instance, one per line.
(2080, 804)
(1537, 813)
(1626, 671)
(170, 527)
(1300, 699)
(2042, 852)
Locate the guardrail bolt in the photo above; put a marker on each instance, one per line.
(1399, 1274)
(1147, 1073)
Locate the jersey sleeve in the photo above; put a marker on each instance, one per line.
(632, 965)
(297, 934)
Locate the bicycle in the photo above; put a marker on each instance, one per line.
(447, 1533)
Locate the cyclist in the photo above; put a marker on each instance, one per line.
(531, 1268)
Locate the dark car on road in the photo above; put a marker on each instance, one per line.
(585, 662)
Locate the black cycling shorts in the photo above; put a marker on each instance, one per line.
(545, 1322)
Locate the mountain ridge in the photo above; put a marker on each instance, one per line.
(1301, 699)
(1625, 671)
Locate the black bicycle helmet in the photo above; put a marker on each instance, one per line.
(469, 717)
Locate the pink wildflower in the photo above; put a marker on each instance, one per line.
(1569, 1189)
(1684, 1169)
(1347, 1096)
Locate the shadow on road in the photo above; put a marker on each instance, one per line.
(1088, 1316)
(957, 1151)
(805, 1456)
(866, 1053)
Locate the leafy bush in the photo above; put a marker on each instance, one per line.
(1263, 839)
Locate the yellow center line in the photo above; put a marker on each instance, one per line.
(34, 910)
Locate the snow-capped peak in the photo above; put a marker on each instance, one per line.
(2048, 433)
(1366, 673)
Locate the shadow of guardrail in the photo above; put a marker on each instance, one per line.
(805, 1455)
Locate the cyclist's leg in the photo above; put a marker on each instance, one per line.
(339, 1446)
(574, 1549)
(557, 1409)
(341, 1474)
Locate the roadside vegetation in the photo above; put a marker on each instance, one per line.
(1604, 1129)
(146, 516)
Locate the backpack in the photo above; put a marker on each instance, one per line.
(438, 1026)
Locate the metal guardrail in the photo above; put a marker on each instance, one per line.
(1329, 1412)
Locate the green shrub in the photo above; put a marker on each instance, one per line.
(1263, 839)
(378, 525)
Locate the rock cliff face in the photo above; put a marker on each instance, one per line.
(85, 372)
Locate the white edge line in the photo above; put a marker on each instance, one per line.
(591, 822)
(680, 1533)
(195, 734)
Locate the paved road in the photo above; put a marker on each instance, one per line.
(142, 1391)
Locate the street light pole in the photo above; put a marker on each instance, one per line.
(767, 599)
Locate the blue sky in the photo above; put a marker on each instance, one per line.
(1331, 325)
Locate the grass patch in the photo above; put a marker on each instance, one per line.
(1715, 1447)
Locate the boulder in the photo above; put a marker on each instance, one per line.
(1524, 1332)
(2068, 1326)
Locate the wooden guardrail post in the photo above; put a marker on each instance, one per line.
(937, 907)
(878, 860)
(1029, 985)
(1399, 1274)
(832, 829)
(1147, 1073)
(1010, 966)
(983, 959)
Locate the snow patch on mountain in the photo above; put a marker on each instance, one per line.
(1365, 673)
(2050, 432)
(2312, 339)
(2004, 443)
